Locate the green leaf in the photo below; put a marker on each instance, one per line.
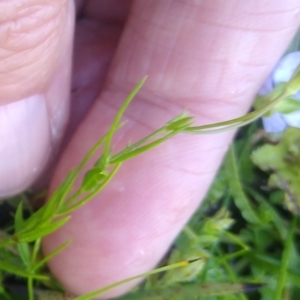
(51, 207)
(41, 232)
(10, 268)
(287, 106)
(33, 222)
(24, 251)
(127, 155)
(51, 255)
(116, 122)
(283, 161)
(19, 221)
(285, 261)
(236, 189)
(93, 178)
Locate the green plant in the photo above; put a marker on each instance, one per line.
(20, 250)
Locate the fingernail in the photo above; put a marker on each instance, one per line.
(25, 145)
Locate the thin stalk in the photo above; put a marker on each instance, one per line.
(237, 122)
(51, 255)
(116, 284)
(119, 115)
(36, 248)
(236, 240)
(190, 233)
(75, 196)
(30, 288)
(142, 149)
(139, 143)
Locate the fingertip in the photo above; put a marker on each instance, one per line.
(35, 53)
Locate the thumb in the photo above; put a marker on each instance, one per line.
(35, 46)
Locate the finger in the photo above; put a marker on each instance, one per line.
(35, 54)
(209, 57)
(98, 30)
(108, 11)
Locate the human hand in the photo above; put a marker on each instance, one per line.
(209, 57)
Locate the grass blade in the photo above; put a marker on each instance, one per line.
(236, 189)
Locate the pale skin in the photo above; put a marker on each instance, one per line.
(208, 57)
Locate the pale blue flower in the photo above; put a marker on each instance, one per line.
(283, 72)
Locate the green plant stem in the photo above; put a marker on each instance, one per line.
(236, 240)
(119, 115)
(122, 158)
(116, 284)
(75, 196)
(285, 260)
(139, 143)
(237, 122)
(30, 288)
(49, 256)
(36, 248)
(190, 233)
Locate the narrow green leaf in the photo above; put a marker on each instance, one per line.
(121, 158)
(116, 122)
(101, 291)
(236, 189)
(51, 255)
(19, 221)
(278, 222)
(10, 268)
(24, 251)
(41, 232)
